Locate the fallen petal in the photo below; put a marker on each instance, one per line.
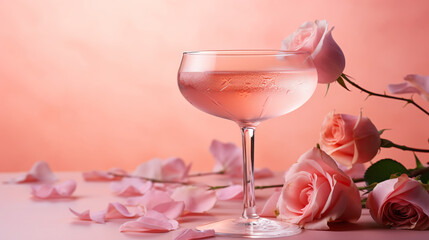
(231, 192)
(113, 211)
(96, 175)
(48, 190)
(172, 209)
(188, 234)
(197, 200)
(131, 187)
(40, 172)
(153, 221)
(174, 169)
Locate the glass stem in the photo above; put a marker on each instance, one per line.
(249, 206)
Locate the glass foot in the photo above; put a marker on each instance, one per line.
(252, 228)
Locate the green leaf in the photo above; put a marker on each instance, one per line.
(386, 143)
(383, 170)
(382, 131)
(340, 80)
(327, 89)
(425, 178)
(419, 164)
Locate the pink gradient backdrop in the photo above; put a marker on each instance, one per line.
(92, 84)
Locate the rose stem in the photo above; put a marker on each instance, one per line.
(407, 100)
(389, 144)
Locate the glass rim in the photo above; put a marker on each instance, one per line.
(246, 52)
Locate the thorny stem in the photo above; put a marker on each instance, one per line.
(206, 174)
(407, 100)
(147, 179)
(413, 173)
(390, 144)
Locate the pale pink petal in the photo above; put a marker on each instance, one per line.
(188, 234)
(152, 222)
(48, 190)
(113, 211)
(96, 175)
(40, 172)
(197, 200)
(172, 209)
(117, 210)
(175, 169)
(85, 215)
(263, 173)
(270, 207)
(131, 187)
(231, 192)
(228, 158)
(415, 84)
(150, 199)
(150, 169)
(400, 88)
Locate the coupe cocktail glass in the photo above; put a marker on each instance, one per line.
(247, 87)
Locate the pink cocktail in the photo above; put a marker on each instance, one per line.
(247, 87)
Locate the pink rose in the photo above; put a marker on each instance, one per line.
(316, 192)
(400, 203)
(349, 139)
(315, 38)
(415, 84)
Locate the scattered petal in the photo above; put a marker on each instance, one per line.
(197, 200)
(153, 221)
(49, 191)
(231, 192)
(150, 169)
(188, 234)
(263, 173)
(175, 169)
(150, 199)
(40, 172)
(228, 158)
(113, 211)
(96, 175)
(131, 187)
(172, 209)
(270, 207)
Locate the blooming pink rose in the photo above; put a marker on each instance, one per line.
(315, 38)
(316, 192)
(349, 139)
(415, 84)
(400, 203)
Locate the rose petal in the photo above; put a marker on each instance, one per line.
(131, 187)
(188, 234)
(174, 169)
(231, 192)
(270, 206)
(415, 84)
(197, 200)
(150, 199)
(40, 172)
(172, 209)
(228, 158)
(97, 175)
(113, 211)
(153, 221)
(151, 169)
(49, 191)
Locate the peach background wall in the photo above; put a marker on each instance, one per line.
(92, 84)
